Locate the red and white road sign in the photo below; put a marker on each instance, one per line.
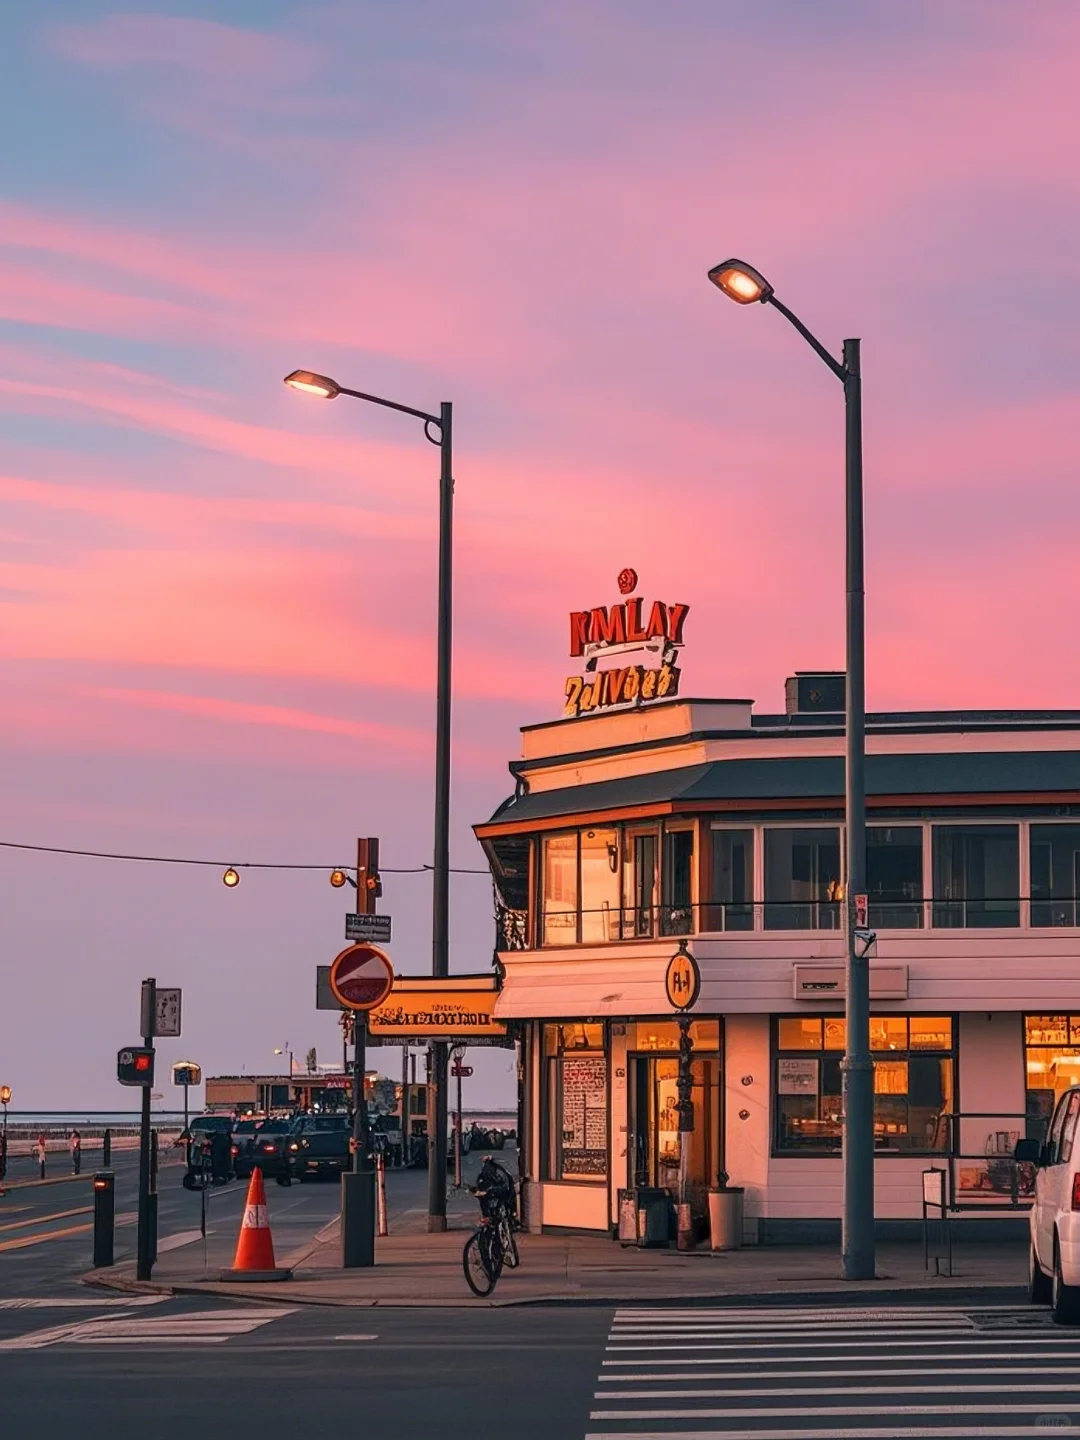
(463, 1070)
(361, 977)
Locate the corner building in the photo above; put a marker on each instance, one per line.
(632, 829)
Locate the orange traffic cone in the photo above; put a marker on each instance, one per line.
(255, 1247)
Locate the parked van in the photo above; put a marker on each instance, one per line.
(1054, 1262)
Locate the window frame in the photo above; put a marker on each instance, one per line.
(551, 1103)
(764, 827)
(939, 903)
(819, 1152)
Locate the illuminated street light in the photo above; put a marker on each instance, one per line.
(231, 878)
(741, 282)
(338, 878)
(312, 384)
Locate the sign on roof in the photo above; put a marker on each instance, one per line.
(628, 652)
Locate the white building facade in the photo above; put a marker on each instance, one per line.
(632, 830)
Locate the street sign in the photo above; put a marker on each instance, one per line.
(186, 1072)
(361, 977)
(373, 928)
(166, 1013)
(463, 1070)
(682, 980)
(862, 911)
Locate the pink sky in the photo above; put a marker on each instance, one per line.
(219, 618)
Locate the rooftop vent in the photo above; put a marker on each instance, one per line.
(815, 692)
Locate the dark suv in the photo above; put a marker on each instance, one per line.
(317, 1145)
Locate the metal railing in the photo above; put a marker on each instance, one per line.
(566, 925)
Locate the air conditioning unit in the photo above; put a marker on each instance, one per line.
(826, 982)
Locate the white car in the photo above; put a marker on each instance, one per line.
(1054, 1263)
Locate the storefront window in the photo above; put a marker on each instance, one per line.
(1052, 1064)
(661, 1035)
(732, 905)
(894, 870)
(1055, 873)
(575, 1135)
(976, 875)
(560, 889)
(599, 886)
(913, 1085)
(802, 878)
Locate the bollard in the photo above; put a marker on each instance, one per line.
(380, 1194)
(104, 1217)
(106, 1149)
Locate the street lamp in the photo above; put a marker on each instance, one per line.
(745, 285)
(438, 429)
(285, 1050)
(5, 1101)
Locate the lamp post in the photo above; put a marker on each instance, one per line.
(439, 430)
(5, 1101)
(745, 285)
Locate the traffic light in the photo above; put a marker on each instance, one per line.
(135, 1065)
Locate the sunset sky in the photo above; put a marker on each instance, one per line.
(217, 637)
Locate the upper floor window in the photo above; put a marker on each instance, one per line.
(732, 906)
(976, 875)
(802, 878)
(894, 876)
(612, 883)
(1055, 874)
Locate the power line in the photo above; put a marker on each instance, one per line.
(219, 864)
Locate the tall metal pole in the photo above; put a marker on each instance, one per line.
(440, 910)
(358, 1187)
(858, 1069)
(144, 1244)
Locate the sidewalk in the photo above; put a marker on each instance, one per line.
(417, 1269)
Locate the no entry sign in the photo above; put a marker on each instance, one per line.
(361, 977)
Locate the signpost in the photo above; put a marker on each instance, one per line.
(682, 982)
(185, 1073)
(458, 1070)
(375, 928)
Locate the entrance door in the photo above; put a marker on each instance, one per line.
(654, 1124)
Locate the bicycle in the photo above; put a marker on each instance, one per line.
(492, 1245)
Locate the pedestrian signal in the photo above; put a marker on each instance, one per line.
(135, 1065)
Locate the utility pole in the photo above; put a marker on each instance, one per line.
(358, 1188)
(146, 1247)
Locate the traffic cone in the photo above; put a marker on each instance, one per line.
(254, 1258)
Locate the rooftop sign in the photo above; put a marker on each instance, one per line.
(648, 638)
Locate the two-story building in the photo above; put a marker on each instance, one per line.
(635, 825)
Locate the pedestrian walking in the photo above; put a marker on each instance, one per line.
(75, 1143)
(39, 1152)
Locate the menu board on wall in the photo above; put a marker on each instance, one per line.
(584, 1115)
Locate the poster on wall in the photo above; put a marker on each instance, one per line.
(584, 1115)
(797, 1077)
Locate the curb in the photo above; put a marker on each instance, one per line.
(824, 1291)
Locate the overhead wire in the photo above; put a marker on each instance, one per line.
(220, 864)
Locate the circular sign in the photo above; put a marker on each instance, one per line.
(361, 977)
(683, 979)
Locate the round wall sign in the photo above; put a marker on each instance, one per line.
(683, 980)
(361, 977)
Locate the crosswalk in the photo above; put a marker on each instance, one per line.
(791, 1373)
(130, 1322)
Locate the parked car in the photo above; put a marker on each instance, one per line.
(243, 1133)
(1054, 1256)
(317, 1145)
(268, 1148)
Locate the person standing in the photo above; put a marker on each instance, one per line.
(75, 1143)
(39, 1151)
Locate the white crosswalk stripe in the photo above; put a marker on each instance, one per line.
(793, 1373)
(193, 1327)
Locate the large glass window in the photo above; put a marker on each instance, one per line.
(1055, 871)
(560, 889)
(802, 878)
(732, 905)
(914, 1083)
(976, 875)
(894, 876)
(641, 882)
(677, 883)
(1052, 1064)
(599, 886)
(574, 1121)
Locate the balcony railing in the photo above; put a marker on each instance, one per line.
(609, 923)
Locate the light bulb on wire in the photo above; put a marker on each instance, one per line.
(231, 878)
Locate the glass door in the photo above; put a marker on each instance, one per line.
(654, 1125)
(641, 883)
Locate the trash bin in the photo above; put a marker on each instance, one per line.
(654, 1215)
(726, 1218)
